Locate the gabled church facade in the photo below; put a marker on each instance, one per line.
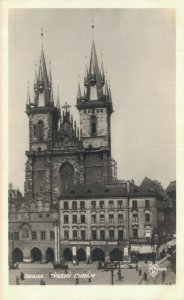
(74, 206)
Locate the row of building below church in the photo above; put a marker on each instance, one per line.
(93, 222)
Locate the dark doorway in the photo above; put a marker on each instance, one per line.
(116, 255)
(49, 255)
(17, 255)
(81, 254)
(67, 253)
(98, 254)
(36, 254)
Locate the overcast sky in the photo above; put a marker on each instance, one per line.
(138, 48)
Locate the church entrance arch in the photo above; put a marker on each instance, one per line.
(81, 255)
(98, 255)
(49, 255)
(66, 175)
(36, 254)
(67, 254)
(17, 255)
(116, 255)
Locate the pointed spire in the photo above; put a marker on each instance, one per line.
(93, 60)
(40, 74)
(58, 100)
(50, 74)
(42, 37)
(79, 90)
(51, 96)
(92, 26)
(36, 77)
(28, 95)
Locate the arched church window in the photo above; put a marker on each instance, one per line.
(66, 175)
(40, 130)
(93, 125)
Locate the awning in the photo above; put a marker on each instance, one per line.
(142, 249)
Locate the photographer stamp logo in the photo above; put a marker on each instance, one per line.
(154, 269)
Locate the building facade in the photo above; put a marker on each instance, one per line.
(74, 206)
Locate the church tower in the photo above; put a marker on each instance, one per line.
(95, 107)
(43, 130)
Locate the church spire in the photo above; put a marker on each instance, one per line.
(79, 92)
(43, 83)
(58, 100)
(28, 95)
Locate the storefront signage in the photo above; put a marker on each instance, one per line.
(98, 243)
(112, 243)
(78, 243)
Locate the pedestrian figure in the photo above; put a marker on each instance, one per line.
(42, 282)
(17, 280)
(22, 276)
(136, 267)
(140, 272)
(145, 276)
(50, 273)
(89, 278)
(163, 276)
(77, 280)
(65, 270)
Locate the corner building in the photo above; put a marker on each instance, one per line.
(74, 206)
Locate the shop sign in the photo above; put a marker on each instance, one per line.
(98, 243)
(112, 243)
